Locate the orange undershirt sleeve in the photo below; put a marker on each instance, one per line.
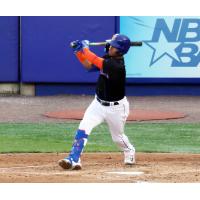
(93, 58)
(80, 56)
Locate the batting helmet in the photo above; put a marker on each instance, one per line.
(120, 42)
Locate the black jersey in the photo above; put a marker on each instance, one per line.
(111, 81)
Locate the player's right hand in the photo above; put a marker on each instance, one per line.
(85, 43)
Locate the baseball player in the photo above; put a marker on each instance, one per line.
(110, 103)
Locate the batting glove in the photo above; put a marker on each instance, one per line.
(85, 43)
(76, 46)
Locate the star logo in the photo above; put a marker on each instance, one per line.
(162, 48)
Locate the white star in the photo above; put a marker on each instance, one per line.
(163, 48)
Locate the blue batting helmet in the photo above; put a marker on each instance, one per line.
(120, 42)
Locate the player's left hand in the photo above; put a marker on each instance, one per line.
(76, 46)
(85, 43)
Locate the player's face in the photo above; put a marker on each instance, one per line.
(112, 51)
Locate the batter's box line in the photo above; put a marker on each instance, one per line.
(22, 167)
(40, 173)
(182, 172)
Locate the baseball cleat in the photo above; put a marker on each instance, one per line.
(77, 166)
(129, 157)
(70, 164)
(65, 163)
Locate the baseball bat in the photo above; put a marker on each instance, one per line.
(136, 44)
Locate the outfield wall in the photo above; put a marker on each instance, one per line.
(35, 53)
(9, 49)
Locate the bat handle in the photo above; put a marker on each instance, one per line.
(97, 43)
(73, 44)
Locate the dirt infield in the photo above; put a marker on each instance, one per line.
(31, 109)
(101, 167)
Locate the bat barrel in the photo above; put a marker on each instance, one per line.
(136, 44)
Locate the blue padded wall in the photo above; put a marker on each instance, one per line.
(9, 49)
(46, 56)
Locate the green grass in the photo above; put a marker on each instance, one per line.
(58, 137)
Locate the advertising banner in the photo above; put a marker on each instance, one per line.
(171, 46)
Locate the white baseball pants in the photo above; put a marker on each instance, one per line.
(115, 116)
